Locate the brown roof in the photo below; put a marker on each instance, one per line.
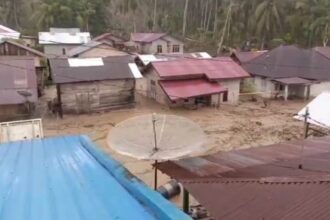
(261, 183)
(109, 37)
(146, 37)
(244, 57)
(17, 76)
(115, 67)
(29, 49)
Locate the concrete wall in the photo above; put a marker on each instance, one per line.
(317, 89)
(260, 85)
(57, 50)
(233, 87)
(13, 112)
(167, 46)
(172, 41)
(102, 51)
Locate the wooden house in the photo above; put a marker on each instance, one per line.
(18, 87)
(86, 85)
(14, 48)
(152, 43)
(209, 81)
(95, 49)
(111, 39)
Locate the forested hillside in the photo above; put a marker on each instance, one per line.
(202, 23)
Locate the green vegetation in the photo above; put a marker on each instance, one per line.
(211, 24)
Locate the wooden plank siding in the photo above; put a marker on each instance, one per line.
(97, 96)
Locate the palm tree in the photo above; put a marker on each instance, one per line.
(268, 19)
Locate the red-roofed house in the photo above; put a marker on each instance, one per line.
(193, 81)
(152, 43)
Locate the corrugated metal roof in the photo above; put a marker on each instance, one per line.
(109, 37)
(85, 47)
(69, 178)
(290, 61)
(31, 50)
(146, 37)
(244, 57)
(261, 183)
(17, 75)
(182, 89)
(213, 69)
(6, 32)
(300, 199)
(115, 67)
(293, 81)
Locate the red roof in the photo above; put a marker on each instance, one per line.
(183, 89)
(215, 68)
(146, 37)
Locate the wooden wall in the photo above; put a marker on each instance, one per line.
(88, 97)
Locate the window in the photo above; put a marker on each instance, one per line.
(152, 82)
(63, 51)
(159, 49)
(225, 97)
(176, 48)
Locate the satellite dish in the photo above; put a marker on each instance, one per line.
(158, 137)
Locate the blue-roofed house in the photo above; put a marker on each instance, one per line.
(69, 178)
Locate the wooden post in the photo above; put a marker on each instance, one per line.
(306, 123)
(219, 100)
(59, 100)
(185, 201)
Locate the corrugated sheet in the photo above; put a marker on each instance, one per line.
(116, 67)
(213, 69)
(146, 37)
(17, 75)
(6, 32)
(64, 36)
(254, 199)
(290, 61)
(80, 49)
(178, 89)
(275, 160)
(69, 178)
(244, 57)
(261, 183)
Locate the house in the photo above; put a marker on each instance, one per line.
(18, 87)
(13, 48)
(152, 43)
(69, 177)
(242, 57)
(86, 85)
(95, 49)
(289, 180)
(58, 41)
(191, 81)
(290, 72)
(7, 33)
(111, 39)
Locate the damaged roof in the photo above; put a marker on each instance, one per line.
(146, 37)
(212, 68)
(70, 70)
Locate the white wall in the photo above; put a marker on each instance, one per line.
(317, 89)
(233, 87)
(260, 85)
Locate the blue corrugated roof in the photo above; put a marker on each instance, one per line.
(68, 178)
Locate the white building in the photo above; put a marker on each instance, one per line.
(58, 41)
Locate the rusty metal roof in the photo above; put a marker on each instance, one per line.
(183, 89)
(260, 183)
(213, 68)
(17, 76)
(263, 199)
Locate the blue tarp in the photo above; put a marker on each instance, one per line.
(68, 178)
